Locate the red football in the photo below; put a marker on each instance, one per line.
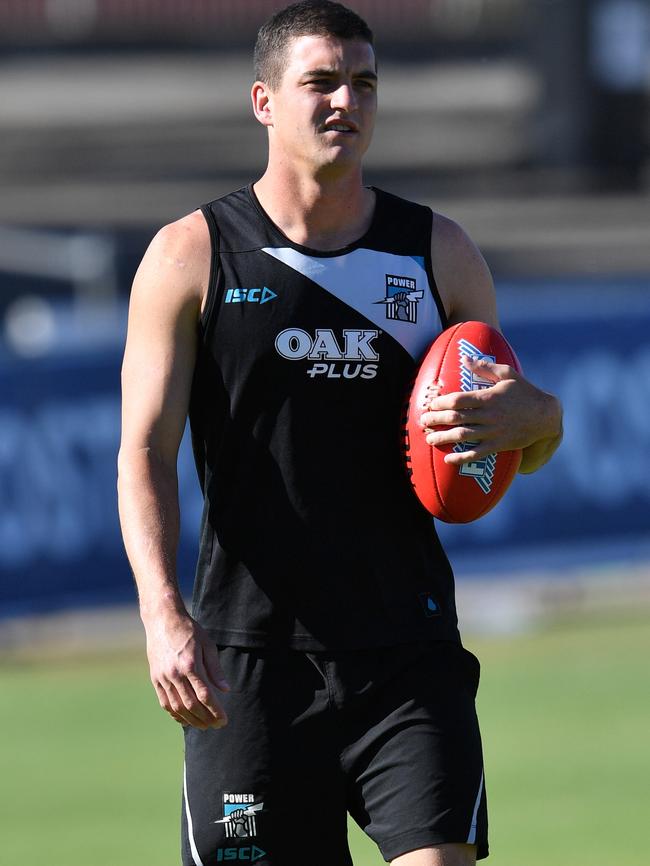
(456, 494)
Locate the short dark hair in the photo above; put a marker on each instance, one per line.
(308, 18)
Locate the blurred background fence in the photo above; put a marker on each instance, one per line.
(223, 22)
(527, 122)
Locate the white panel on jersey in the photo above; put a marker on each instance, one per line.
(391, 291)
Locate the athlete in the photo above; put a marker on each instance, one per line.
(320, 670)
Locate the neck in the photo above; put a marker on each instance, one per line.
(325, 214)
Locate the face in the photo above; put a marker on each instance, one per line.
(322, 115)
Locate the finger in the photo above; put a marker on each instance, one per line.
(458, 400)
(471, 455)
(460, 458)
(454, 436)
(188, 718)
(165, 704)
(204, 703)
(185, 704)
(448, 418)
(205, 693)
(489, 369)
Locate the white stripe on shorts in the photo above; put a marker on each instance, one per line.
(471, 839)
(188, 815)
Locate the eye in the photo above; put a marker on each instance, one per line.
(320, 82)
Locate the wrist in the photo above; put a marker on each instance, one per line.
(553, 415)
(163, 607)
(542, 449)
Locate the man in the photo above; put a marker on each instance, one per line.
(321, 670)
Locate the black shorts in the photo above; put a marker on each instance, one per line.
(389, 735)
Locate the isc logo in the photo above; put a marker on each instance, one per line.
(252, 296)
(248, 854)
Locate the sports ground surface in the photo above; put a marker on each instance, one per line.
(91, 767)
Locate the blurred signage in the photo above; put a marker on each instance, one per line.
(620, 43)
(60, 540)
(59, 433)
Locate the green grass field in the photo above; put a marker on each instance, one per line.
(90, 767)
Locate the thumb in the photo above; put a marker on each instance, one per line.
(213, 668)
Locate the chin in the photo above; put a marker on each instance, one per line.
(341, 156)
(338, 167)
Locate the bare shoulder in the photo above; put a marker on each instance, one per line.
(160, 349)
(449, 238)
(165, 304)
(176, 265)
(462, 275)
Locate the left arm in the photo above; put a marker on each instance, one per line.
(513, 413)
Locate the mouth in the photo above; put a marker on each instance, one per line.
(341, 126)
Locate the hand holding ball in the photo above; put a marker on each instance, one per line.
(456, 494)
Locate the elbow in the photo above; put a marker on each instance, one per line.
(135, 464)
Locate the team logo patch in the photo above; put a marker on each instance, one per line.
(482, 471)
(250, 296)
(401, 299)
(239, 813)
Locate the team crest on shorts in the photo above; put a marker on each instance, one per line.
(239, 813)
(402, 298)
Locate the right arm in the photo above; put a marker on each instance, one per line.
(168, 291)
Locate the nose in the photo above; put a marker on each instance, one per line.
(344, 98)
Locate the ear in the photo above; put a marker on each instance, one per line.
(261, 97)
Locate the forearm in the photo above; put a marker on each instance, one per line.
(150, 521)
(183, 662)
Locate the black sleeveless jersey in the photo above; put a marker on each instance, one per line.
(311, 534)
